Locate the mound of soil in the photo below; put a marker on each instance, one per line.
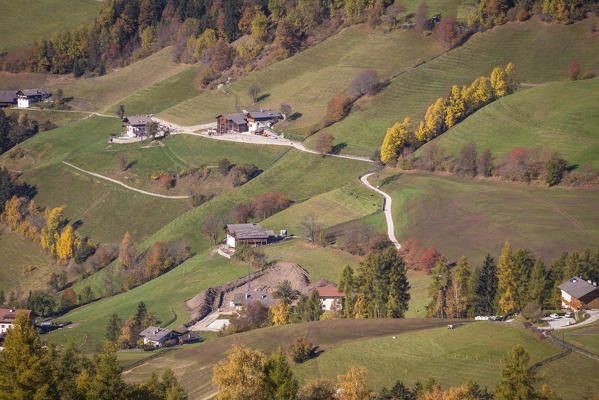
(214, 298)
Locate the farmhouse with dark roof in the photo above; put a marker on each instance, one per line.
(579, 294)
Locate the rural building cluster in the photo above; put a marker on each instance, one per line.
(254, 122)
(22, 98)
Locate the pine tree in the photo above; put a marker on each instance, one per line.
(2, 298)
(113, 329)
(538, 282)
(25, 365)
(127, 251)
(399, 287)
(506, 280)
(523, 262)
(438, 289)
(517, 381)
(313, 309)
(486, 287)
(281, 382)
(107, 383)
(346, 286)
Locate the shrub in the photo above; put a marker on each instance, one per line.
(301, 350)
(574, 70)
(338, 108)
(167, 180)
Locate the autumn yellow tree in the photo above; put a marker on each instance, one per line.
(480, 93)
(281, 313)
(65, 244)
(456, 107)
(498, 82)
(511, 78)
(396, 138)
(506, 280)
(127, 251)
(13, 213)
(51, 233)
(434, 121)
(453, 393)
(241, 376)
(360, 307)
(352, 386)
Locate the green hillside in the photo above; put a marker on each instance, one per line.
(461, 216)
(541, 53)
(99, 93)
(24, 21)
(472, 351)
(163, 94)
(560, 116)
(308, 80)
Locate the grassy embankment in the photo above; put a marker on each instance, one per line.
(24, 21)
(541, 53)
(472, 351)
(57, 117)
(308, 80)
(461, 216)
(561, 116)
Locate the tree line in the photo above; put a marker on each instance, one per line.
(517, 280)
(522, 164)
(31, 370)
(448, 111)
(250, 374)
(16, 128)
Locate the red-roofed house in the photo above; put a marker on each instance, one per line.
(330, 298)
(8, 316)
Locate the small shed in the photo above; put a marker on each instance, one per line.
(251, 234)
(8, 98)
(188, 338)
(578, 294)
(330, 298)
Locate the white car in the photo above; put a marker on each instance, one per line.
(554, 316)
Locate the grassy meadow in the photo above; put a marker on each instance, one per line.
(17, 253)
(308, 80)
(422, 348)
(541, 53)
(101, 92)
(344, 204)
(23, 21)
(532, 117)
(468, 217)
(57, 117)
(163, 94)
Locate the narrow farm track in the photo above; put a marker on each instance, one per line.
(386, 209)
(163, 196)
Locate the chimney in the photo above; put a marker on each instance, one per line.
(11, 310)
(589, 281)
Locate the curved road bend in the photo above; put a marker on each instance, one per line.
(386, 209)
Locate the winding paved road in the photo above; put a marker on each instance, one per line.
(163, 196)
(386, 209)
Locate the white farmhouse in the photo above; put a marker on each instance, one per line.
(159, 337)
(251, 234)
(330, 298)
(136, 125)
(8, 316)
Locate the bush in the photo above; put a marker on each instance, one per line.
(301, 350)
(167, 180)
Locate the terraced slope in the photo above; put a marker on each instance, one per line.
(311, 78)
(541, 53)
(560, 116)
(24, 21)
(97, 94)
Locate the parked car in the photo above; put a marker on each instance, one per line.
(569, 315)
(554, 316)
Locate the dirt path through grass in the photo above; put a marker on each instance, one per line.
(386, 209)
(124, 185)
